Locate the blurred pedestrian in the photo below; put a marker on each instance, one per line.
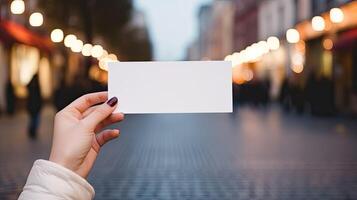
(34, 105)
(77, 140)
(10, 98)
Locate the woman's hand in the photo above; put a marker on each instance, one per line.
(77, 137)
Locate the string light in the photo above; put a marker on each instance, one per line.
(327, 44)
(77, 46)
(263, 47)
(36, 19)
(86, 50)
(318, 23)
(104, 54)
(228, 58)
(97, 51)
(292, 36)
(69, 40)
(57, 35)
(297, 68)
(112, 57)
(17, 7)
(336, 15)
(273, 43)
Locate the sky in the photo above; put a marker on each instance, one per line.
(173, 25)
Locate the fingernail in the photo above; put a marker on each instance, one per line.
(112, 102)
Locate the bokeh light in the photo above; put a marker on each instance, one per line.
(77, 46)
(318, 23)
(57, 35)
(327, 44)
(97, 51)
(87, 50)
(36, 19)
(69, 40)
(336, 15)
(292, 36)
(17, 7)
(273, 43)
(297, 68)
(112, 57)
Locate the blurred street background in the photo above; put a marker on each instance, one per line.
(293, 133)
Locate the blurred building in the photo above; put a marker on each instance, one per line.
(274, 18)
(311, 57)
(245, 24)
(193, 51)
(204, 23)
(215, 37)
(220, 40)
(136, 34)
(330, 64)
(24, 52)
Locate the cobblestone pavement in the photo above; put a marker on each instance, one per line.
(251, 154)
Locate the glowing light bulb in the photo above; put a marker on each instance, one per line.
(103, 63)
(36, 19)
(17, 7)
(298, 59)
(104, 54)
(236, 59)
(97, 51)
(273, 43)
(77, 46)
(69, 40)
(263, 47)
(57, 35)
(327, 44)
(228, 58)
(87, 50)
(248, 75)
(297, 68)
(292, 36)
(112, 57)
(318, 23)
(336, 15)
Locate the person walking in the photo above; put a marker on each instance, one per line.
(77, 140)
(34, 105)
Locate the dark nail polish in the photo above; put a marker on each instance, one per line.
(112, 102)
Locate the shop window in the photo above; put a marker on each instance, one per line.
(326, 68)
(354, 70)
(24, 65)
(45, 78)
(3, 76)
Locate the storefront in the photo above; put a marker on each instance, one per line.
(345, 70)
(330, 63)
(24, 54)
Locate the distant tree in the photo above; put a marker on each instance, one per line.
(109, 19)
(135, 44)
(105, 18)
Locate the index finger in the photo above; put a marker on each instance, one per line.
(86, 101)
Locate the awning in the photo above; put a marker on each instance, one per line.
(11, 32)
(346, 40)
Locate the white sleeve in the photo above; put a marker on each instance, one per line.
(48, 180)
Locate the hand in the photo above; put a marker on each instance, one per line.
(77, 138)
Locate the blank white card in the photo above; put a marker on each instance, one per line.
(171, 87)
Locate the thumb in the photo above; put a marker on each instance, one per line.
(100, 113)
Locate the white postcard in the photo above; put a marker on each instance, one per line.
(171, 87)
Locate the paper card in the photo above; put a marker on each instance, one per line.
(171, 87)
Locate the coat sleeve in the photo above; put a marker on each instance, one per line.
(48, 180)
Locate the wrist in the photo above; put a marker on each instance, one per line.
(59, 160)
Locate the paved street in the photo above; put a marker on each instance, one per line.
(254, 153)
